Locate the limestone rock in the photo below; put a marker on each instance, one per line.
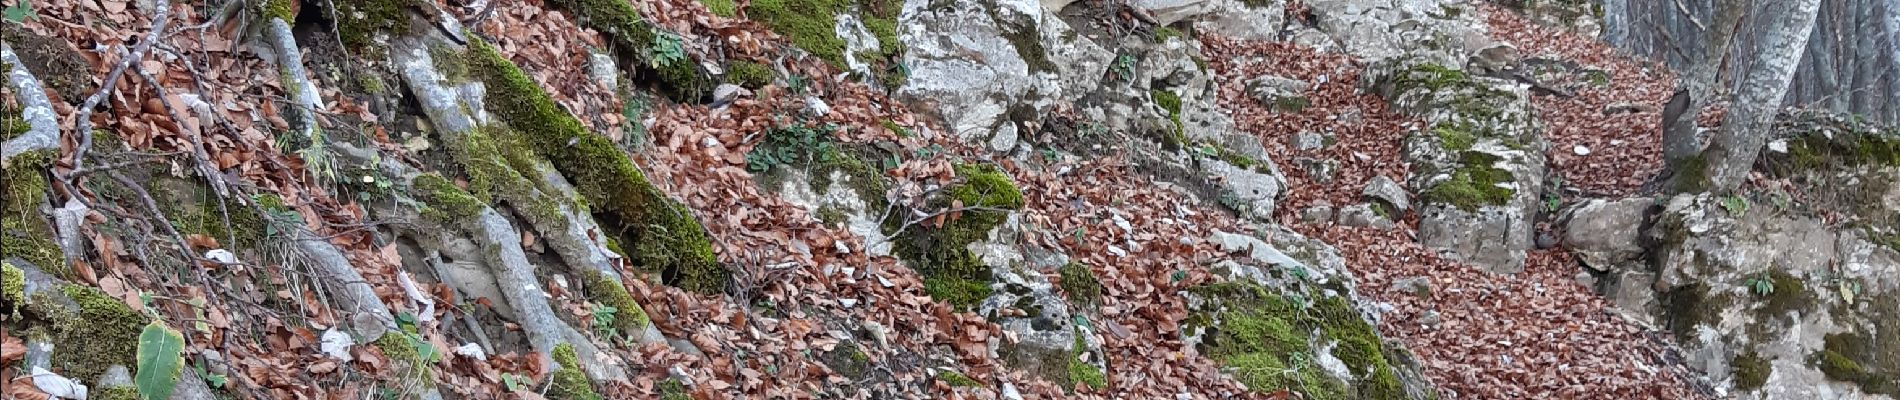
(1364, 215)
(1382, 188)
(1606, 234)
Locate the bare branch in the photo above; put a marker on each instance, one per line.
(84, 130)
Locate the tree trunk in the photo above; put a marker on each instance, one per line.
(1699, 86)
(1732, 154)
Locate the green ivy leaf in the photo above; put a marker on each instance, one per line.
(20, 12)
(159, 361)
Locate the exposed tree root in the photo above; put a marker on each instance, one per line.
(37, 111)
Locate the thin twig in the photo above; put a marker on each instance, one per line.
(112, 79)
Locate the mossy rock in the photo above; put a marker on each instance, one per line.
(1268, 342)
(105, 328)
(1866, 354)
(952, 273)
(1170, 103)
(359, 23)
(748, 74)
(1689, 306)
(12, 287)
(848, 360)
(1750, 371)
(1079, 283)
(24, 231)
(667, 237)
(53, 61)
(809, 24)
(603, 289)
(1473, 184)
(681, 79)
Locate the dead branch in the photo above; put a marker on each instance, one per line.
(84, 130)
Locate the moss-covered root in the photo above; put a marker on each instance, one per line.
(568, 383)
(296, 80)
(670, 239)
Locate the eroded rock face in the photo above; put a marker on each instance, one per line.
(1755, 291)
(980, 62)
(1375, 30)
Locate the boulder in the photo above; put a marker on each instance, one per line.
(1384, 189)
(1364, 215)
(1606, 234)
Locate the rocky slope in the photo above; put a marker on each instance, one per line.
(1192, 199)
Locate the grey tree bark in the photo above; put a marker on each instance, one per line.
(1700, 87)
(1732, 154)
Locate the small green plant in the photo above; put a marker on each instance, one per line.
(791, 145)
(1761, 285)
(515, 383)
(1736, 205)
(20, 12)
(667, 49)
(1125, 67)
(603, 319)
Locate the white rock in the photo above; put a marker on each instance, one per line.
(1581, 150)
(848, 302)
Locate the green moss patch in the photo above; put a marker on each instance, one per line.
(359, 22)
(953, 273)
(24, 231)
(1170, 103)
(12, 287)
(1686, 307)
(1268, 341)
(847, 360)
(667, 238)
(956, 379)
(672, 389)
(809, 24)
(1866, 354)
(1750, 371)
(1790, 294)
(723, 8)
(663, 56)
(105, 328)
(1473, 184)
(1081, 372)
(570, 382)
(750, 75)
(605, 290)
(1079, 283)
